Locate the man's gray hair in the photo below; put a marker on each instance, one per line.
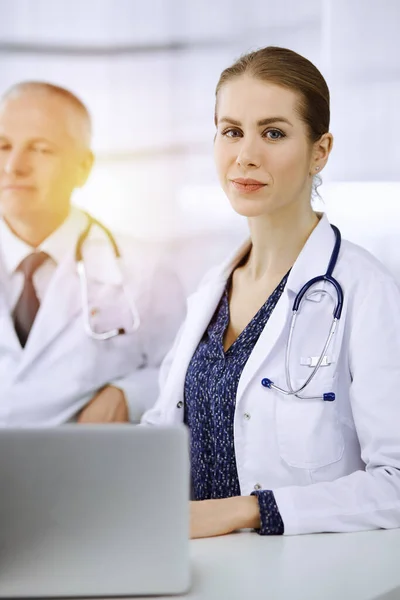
(49, 88)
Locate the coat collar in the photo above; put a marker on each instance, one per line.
(314, 258)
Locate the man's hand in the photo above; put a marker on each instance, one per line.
(107, 406)
(209, 518)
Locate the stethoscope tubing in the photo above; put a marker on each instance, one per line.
(328, 278)
(80, 265)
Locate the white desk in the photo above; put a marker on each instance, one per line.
(246, 566)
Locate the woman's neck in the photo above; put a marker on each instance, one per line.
(277, 240)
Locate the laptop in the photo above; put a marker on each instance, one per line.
(94, 510)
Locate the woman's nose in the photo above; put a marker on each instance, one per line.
(248, 156)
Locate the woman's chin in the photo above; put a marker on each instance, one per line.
(250, 208)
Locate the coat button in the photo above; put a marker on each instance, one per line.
(180, 404)
(246, 416)
(258, 486)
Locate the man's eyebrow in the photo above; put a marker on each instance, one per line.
(36, 140)
(41, 140)
(261, 123)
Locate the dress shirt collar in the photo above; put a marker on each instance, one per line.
(57, 245)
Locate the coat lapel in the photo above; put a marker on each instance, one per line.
(201, 308)
(266, 342)
(8, 340)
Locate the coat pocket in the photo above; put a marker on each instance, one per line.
(308, 430)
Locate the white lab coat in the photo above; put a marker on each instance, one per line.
(60, 369)
(333, 466)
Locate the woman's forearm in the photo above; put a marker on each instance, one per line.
(245, 512)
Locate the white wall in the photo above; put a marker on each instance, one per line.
(147, 71)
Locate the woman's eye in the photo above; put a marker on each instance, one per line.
(274, 134)
(231, 133)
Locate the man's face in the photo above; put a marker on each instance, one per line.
(43, 155)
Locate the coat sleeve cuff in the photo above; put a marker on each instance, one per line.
(271, 520)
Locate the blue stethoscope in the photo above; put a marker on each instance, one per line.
(329, 396)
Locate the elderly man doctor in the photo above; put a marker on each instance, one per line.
(52, 369)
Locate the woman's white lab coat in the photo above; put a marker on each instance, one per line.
(333, 466)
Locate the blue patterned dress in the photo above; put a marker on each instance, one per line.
(210, 395)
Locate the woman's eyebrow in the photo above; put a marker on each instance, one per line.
(260, 123)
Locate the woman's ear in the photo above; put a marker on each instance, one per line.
(320, 154)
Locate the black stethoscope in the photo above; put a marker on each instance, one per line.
(80, 265)
(329, 396)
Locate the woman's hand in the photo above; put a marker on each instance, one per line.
(210, 518)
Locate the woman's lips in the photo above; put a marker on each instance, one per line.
(247, 186)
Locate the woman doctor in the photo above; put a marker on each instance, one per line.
(326, 458)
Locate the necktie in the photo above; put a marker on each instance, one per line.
(28, 304)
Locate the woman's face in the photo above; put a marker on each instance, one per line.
(264, 158)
